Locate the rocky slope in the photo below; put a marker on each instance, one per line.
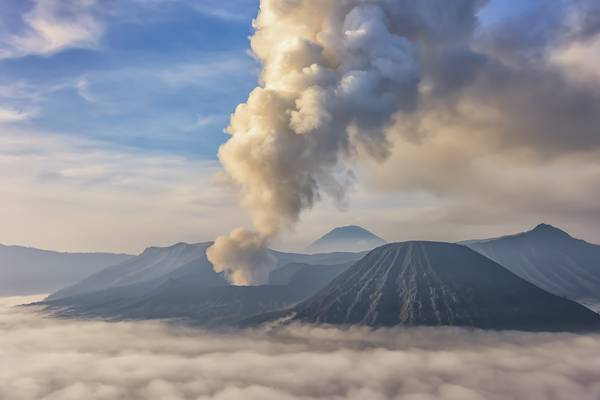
(427, 283)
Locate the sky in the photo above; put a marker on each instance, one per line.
(112, 113)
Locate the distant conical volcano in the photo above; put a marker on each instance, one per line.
(348, 238)
(551, 259)
(427, 283)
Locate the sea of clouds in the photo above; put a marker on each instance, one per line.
(50, 359)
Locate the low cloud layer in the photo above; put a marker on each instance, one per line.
(48, 359)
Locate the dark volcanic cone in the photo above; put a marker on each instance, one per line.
(427, 283)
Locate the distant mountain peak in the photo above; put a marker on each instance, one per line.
(542, 231)
(346, 238)
(174, 247)
(547, 230)
(350, 230)
(551, 259)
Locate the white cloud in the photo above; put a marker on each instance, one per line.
(21, 90)
(69, 193)
(83, 90)
(128, 89)
(230, 10)
(208, 120)
(222, 67)
(54, 25)
(66, 359)
(21, 101)
(8, 115)
(579, 59)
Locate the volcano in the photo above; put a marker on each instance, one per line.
(439, 284)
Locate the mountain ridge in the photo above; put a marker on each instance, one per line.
(182, 276)
(551, 259)
(28, 270)
(436, 283)
(76, 253)
(541, 229)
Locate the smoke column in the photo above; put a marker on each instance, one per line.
(335, 74)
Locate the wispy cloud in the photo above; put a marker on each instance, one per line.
(208, 120)
(54, 181)
(222, 70)
(232, 10)
(222, 67)
(9, 115)
(54, 25)
(83, 90)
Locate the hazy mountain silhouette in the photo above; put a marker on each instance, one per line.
(348, 238)
(551, 259)
(25, 270)
(195, 293)
(151, 268)
(164, 283)
(157, 265)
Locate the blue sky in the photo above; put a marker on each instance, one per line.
(154, 75)
(158, 75)
(111, 114)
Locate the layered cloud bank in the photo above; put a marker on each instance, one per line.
(50, 359)
(505, 129)
(428, 97)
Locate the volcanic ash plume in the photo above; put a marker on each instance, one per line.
(335, 74)
(243, 256)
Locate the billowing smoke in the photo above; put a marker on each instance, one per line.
(50, 359)
(456, 100)
(243, 256)
(336, 73)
